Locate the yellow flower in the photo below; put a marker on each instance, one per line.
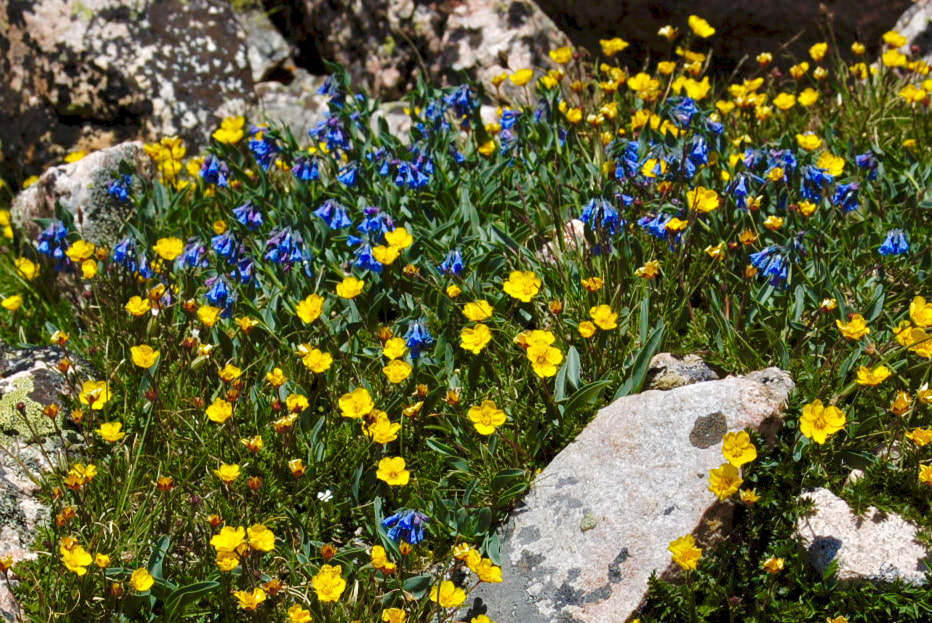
(447, 595)
(818, 422)
(297, 467)
(648, 270)
(593, 284)
(521, 77)
(350, 287)
(250, 600)
(399, 238)
(296, 403)
(80, 250)
(392, 471)
(297, 614)
(817, 51)
(76, 558)
(562, 55)
(544, 359)
(395, 615)
(808, 97)
(773, 565)
(454, 290)
(893, 58)
(806, 208)
(748, 496)
(799, 70)
(487, 148)
(12, 303)
(666, 67)
(380, 560)
(676, 225)
(604, 317)
(474, 339)
(784, 101)
(716, 252)
(764, 58)
(858, 48)
(95, 393)
(611, 47)
(141, 580)
(397, 371)
(329, 583)
(110, 431)
(488, 571)
(385, 255)
(586, 329)
(310, 308)
(480, 310)
(702, 199)
(144, 356)
(866, 376)
(27, 269)
(685, 553)
(138, 306)
(169, 248)
(808, 141)
(227, 473)
(522, 285)
(920, 312)
(855, 328)
(894, 39)
(773, 222)
(382, 430)
(738, 448)
(316, 360)
(356, 404)
(395, 348)
(901, 403)
(219, 411)
(831, 163)
(725, 481)
(229, 540)
(486, 417)
(102, 561)
(700, 27)
(920, 436)
(229, 373)
(925, 476)
(208, 314)
(75, 156)
(230, 131)
(261, 538)
(668, 32)
(697, 90)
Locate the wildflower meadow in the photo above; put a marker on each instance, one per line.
(312, 375)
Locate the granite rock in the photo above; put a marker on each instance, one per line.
(598, 520)
(80, 188)
(879, 547)
(667, 371)
(916, 25)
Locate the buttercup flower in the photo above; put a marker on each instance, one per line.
(297, 614)
(480, 310)
(700, 27)
(604, 317)
(855, 328)
(382, 430)
(95, 393)
(309, 309)
(818, 422)
(227, 473)
(316, 360)
(250, 600)
(685, 553)
(261, 538)
(738, 448)
(725, 481)
(350, 287)
(773, 565)
(141, 580)
(474, 339)
(219, 411)
(138, 306)
(329, 583)
(397, 371)
(486, 417)
(447, 595)
(522, 285)
(169, 248)
(392, 471)
(110, 431)
(356, 403)
(395, 348)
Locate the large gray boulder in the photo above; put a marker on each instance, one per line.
(78, 73)
(916, 25)
(598, 520)
(877, 546)
(80, 188)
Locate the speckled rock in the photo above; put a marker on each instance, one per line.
(81, 189)
(296, 105)
(916, 25)
(598, 520)
(386, 44)
(743, 27)
(877, 546)
(269, 52)
(30, 378)
(115, 69)
(667, 371)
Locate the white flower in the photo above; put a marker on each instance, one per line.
(325, 496)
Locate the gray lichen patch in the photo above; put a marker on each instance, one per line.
(20, 389)
(708, 430)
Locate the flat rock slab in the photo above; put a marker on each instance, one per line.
(599, 518)
(877, 546)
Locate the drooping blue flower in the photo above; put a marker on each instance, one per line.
(869, 162)
(895, 243)
(331, 131)
(195, 254)
(347, 176)
(627, 163)
(418, 337)
(407, 525)
(227, 246)
(463, 101)
(365, 260)
(453, 264)
(846, 196)
(376, 222)
(334, 214)
(599, 213)
(53, 243)
(771, 263)
(331, 88)
(656, 226)
(126, 254)
(215, 171)
(249, 215)
(263, 146)
(739, 190)
(683, 111)
(814, 182)
(218, 291)
(119, 189)
(305, 168)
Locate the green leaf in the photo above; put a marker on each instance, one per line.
(642, 362)
(184, 596)
(585, 397)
